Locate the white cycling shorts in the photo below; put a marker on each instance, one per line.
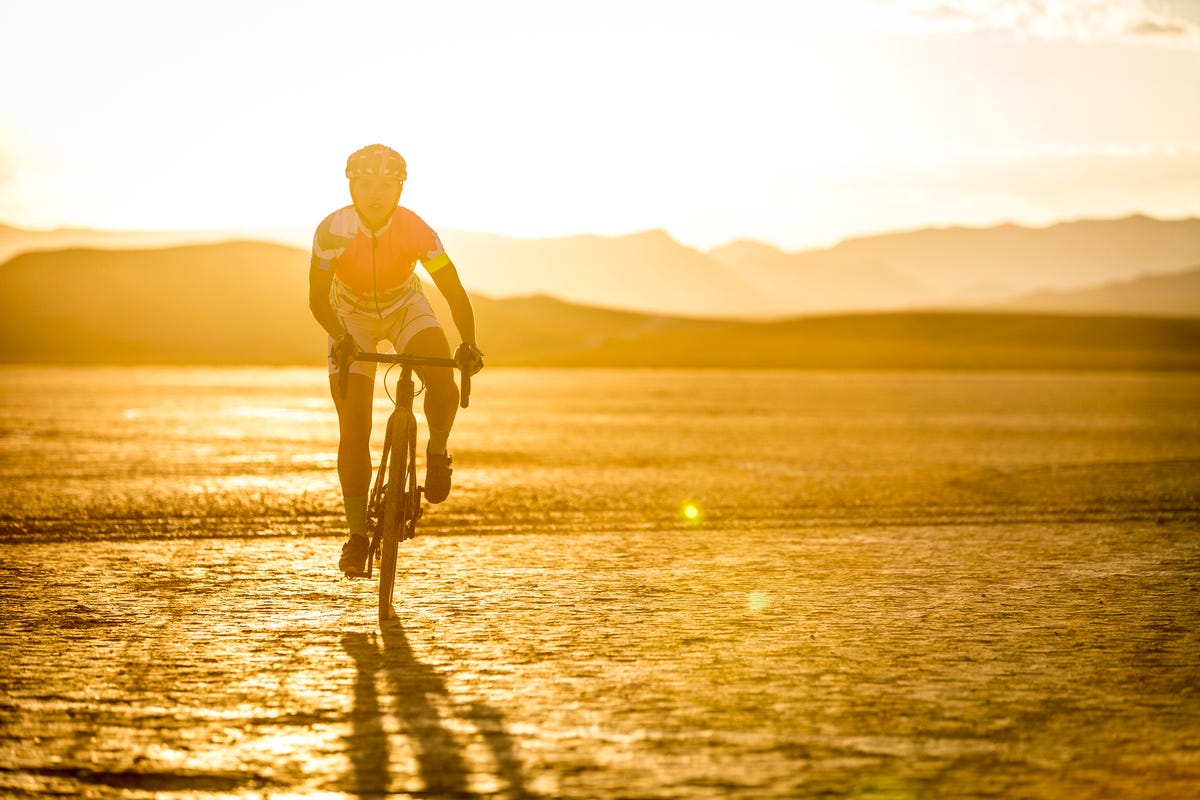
(397, 327)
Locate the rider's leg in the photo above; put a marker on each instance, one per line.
(441, 405)
(441, 392)
(354, 445)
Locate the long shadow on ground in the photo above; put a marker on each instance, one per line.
(417, 700)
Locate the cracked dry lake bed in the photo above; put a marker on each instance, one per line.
(898, 586)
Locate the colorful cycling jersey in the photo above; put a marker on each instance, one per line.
(373, 272)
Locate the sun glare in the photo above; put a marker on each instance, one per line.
(796, 123)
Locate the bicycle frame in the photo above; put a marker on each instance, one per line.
(395, 501)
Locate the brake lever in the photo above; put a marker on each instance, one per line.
(344, 360)
(465, 399)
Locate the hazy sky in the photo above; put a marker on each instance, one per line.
(789, 121)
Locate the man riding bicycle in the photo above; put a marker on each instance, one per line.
(363, 289)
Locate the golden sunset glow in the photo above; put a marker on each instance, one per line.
(793, 123)
(822, 420)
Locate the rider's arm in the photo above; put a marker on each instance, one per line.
(319, 281)
(448, 283)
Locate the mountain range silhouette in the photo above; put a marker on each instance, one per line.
(650, 300)
(651, 272)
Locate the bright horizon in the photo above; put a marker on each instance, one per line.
(795, 124)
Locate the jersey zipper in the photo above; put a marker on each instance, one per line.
(375, 274)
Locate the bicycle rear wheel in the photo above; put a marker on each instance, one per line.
(397, 506)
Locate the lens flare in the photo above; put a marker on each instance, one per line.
(690, 514)
(758, 600)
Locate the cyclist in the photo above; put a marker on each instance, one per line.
(363, 290)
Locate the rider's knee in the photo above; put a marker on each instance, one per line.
(355, 425)
(443, 389)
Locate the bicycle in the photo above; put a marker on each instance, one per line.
(395, 500)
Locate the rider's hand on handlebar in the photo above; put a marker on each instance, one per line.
(469, 359)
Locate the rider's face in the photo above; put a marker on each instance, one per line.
(375, 197)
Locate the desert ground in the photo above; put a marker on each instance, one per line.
(894, 585)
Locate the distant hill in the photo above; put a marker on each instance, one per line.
(938, 267)
(647, 271)
(540, 330)
(999, 263)
(918, 269)
(919, 341)
(14, 241)
(650, 272)
(818, 281)
(1169, 294)
(246, 303)
(235, 303)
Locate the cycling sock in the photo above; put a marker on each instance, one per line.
(437, 441)
(356, 515)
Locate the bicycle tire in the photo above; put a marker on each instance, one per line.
(395, 508)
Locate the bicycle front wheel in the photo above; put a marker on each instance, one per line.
(396, 506)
